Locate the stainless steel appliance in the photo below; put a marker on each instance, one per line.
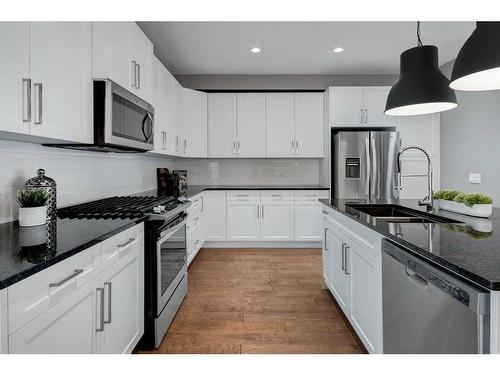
(122, 121)
(165, 255)
(364, 164)
(426, 310)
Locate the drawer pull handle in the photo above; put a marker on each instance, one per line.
(130, 240)
(67, 278)
(101, 310)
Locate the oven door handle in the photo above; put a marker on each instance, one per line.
(169, 231)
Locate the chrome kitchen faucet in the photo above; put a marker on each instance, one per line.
(429, 199)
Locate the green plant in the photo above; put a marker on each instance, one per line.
(32, 198)
(476, 198)
(448, 195)
(469, 199)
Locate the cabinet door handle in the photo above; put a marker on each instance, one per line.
(366, 116)
(176, 143)
(67, 278)
(343, 257)
(234, 147)
(347, 264)
(134, 73)
(326, 249)
(293, 151)
(239, 148)
(185, 146)
(100, 303)
(361, 116)
(202, 204)
(296, 147)
(39, 103)
(27, 99)
(262, 213)
(108, 320)
(138, 67)
(257, 211)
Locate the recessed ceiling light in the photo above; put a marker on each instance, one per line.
(338, 50)
(255, 50)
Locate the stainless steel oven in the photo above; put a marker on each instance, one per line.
(166, 277)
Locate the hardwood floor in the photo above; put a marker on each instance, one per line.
(258, 301)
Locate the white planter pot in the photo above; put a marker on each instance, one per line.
(477, 210)
(31, 216)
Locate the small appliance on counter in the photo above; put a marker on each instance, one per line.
(47, 184)
(172, 184)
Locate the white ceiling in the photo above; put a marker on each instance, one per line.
(297, 47)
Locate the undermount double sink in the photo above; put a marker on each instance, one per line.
(392, 213)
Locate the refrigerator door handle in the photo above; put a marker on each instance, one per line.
(368, 167)
(374, 185)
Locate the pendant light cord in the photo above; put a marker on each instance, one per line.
(419, 41)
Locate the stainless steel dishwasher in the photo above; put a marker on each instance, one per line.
(426, 310)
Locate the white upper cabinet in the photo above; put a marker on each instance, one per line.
(122, 53)
(346, 106)
(251, 125)
(280, 140)
(358, 106)
(62, 86)
(422, 131)
(222, 125)
(374, 107)
(14, 73)
(46, 73)
(158, 100)
(194, 123)
(309, 119)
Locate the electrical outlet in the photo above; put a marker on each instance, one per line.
(474, 178)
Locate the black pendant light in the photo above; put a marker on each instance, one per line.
(421, 87)
(477, 67)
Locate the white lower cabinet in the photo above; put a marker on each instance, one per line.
(366, 298)
(277, 222)
(123, 308)
(354, 276)
(308, 226)
(73, 307)
(215, 205)
(195, 226)
(67, 328)
(243, 222)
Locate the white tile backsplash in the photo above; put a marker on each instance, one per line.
(80, 175)
(250, 171)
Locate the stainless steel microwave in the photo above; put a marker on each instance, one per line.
(122, 121)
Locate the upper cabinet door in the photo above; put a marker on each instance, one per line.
(280, 138)
(60, 68)
(194, 123)
(158, 100)
(14, 74)
(251, 125)
(111, 52)
(346, 106)
(374, 100)
(420, 130)
(221, 125)
(309, 125)
(141, 53)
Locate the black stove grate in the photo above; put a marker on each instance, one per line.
(117, 207)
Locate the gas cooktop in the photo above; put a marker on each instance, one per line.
(120, 207)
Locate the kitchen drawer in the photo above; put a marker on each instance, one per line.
(196, 205)
(277, 195)
(193, 222)
(194, 240)
(243, 195)
(118, 246)
(310, 195)
(35, 294)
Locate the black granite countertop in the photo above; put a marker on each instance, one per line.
(25, 251)
(470, 250)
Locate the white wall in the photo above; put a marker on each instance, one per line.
(470, 136)
(250, 171)
(80, 175)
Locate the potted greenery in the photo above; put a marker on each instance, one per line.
(473, 204)
(32, 207)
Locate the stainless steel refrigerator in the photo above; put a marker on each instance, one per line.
(364, 164)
